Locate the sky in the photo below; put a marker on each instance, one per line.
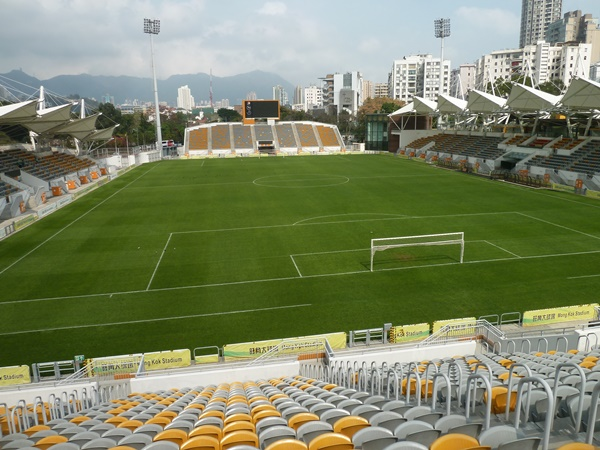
(301, 40)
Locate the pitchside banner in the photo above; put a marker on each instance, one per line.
(407, 333)
(555, 315)
(167, 359)
(290, 346)
(112, 365)
(464, 325)
(14, 375)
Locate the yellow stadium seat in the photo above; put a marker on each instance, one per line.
(331, 441)
(454, 441)
(46, 442)
(204, 442)
(242, 437)
(350, 424)
(299, 419)
(207, 430)
(173, 435)
(287, 444)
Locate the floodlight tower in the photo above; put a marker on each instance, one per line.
(153, 27)
(442, 30)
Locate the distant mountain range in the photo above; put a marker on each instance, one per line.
(125, 88)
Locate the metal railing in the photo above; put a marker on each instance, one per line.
(480, 329)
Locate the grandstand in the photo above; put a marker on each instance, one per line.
(449, 392)
(290, 138)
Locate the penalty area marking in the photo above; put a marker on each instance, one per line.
(583, 276)
(160, 319)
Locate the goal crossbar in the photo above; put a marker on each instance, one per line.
(382, 244)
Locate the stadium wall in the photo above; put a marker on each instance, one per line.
(412, 353)
(204, 377)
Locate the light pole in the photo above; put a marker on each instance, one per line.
(442, 30)
(153, 27)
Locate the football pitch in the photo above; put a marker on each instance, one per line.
(186, 254)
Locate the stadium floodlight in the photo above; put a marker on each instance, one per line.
(442, 30)
(382, 244)
(152, 27)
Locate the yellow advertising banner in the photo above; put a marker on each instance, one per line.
(111, 365)
(167, 359)
(290, 346)
(14, 375)
(464, 325)
(557, 315)
(206, 359)
(407, 333)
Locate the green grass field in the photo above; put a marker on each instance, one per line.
(185, 254)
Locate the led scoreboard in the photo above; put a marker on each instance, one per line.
(261, 109)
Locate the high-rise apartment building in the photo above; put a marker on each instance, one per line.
(185, 101)
(576, 27)
(280, 94)
(418, 76)
(298, 95)
(462, 79)
(313, 98)
(536, 16)
(344, 91)
(542, 62)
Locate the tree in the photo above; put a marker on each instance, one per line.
(384, 105)
(229, 115)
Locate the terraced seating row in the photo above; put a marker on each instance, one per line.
(220, 137)
(7, 189)
(328, 136)
(263, 132)
(306, 133)
(242, 137)
(425, 407)
(517, 140)
(285, 136)
(585, 159)
(198, 139)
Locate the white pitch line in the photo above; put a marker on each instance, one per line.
(302, 224)
(270, 280)
(160, 319)
(559, 226)
(74, 221)
(584, 276)
(503, 249)
(296, 265)
(159, 260)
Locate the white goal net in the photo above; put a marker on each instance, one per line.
(383, 244)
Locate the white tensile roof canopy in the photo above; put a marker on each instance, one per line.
(582, 95)
(18, 112)
(527, 99)
(450, 105)
(482, 102)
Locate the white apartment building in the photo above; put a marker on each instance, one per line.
(576, 27)
(344, 91)
(536, 16)
(462, 79)
(381, 90)
(542, 61)
(280, 94)
(185, 101)
(418, 75)
(313, 97)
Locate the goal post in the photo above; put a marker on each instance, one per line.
(383, 244)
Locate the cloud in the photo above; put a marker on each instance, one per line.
(273, 9)
(369, 45)
(497, 21)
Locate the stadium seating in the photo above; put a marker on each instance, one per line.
(198, 139)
